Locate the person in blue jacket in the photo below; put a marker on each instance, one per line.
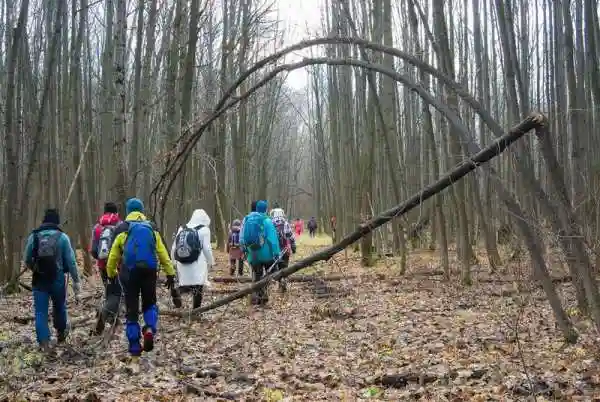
(49, 254)
(261, 244)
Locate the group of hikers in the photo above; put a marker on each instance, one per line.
(311, 225)
(129, 254)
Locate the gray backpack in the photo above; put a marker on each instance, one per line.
(188, 245)
(46, 252)
(107, 236)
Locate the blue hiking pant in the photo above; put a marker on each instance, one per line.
(141, 284)
(41, 303)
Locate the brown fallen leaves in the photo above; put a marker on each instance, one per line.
(376, 336)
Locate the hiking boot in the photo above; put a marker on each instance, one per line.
(196, 301)
(99, 328)
(148, 339)
(45, 346)
(176, 298)
(62, 336)
(135, 350)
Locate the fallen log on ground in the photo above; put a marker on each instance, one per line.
(470, 164)
(294, 278)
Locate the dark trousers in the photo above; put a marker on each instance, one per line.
(283, 264)
(259, 270)
(141, 283)
(104, 277)
(113, 293)
(196, 292)
(240, 267)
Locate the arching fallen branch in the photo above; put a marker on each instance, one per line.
(192, 133)
(457, 173)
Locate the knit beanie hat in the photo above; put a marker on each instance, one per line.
(134, 205)
(51, 216)
(110, 208)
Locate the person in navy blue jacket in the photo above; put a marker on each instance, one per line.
(49, 254)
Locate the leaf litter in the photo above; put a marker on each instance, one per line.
(377, 336)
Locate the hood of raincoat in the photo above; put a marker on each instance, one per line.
(199, 217)
(277, 213)
(236, 225)
(262, 206)
(135, 216)
(109, 219)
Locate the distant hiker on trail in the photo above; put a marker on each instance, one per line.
(312, 227)
(103, 235)
(139, 248)
(259, 239)
(287, 243)
(49, 254)
(234, 249)
(299, 227)
(192, 252)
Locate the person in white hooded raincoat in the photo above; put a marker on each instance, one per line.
(193, 276)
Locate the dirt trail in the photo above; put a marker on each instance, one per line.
(375, 336)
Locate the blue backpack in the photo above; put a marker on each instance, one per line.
(140, 247)
(254, 231)
(235, 239)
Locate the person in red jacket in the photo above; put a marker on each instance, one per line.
(103, 235)
(298, 227)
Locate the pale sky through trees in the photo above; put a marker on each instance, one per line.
(301, 19)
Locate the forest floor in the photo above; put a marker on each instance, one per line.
(374, 335)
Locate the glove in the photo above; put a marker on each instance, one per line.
(170, 281)
(176, 297)
(76, 290)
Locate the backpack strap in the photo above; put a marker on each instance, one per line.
(264, 230)
(196, 229)
(47, 226)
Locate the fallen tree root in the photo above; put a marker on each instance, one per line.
(295, 278)
(470, 164)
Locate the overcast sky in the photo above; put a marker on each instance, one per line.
(300, 17)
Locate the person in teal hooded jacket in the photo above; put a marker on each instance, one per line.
(261, 244)
(49, 254)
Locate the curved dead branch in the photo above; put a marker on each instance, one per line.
(190, 137)
(457, 173)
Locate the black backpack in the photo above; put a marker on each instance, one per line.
(45, 255)
(188, 245)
